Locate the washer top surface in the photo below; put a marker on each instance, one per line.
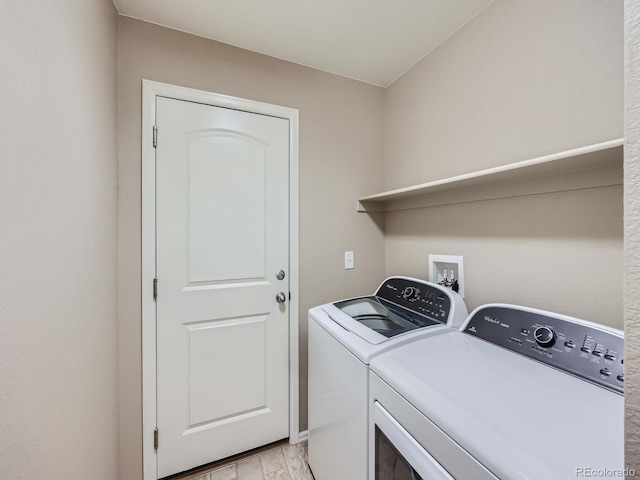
(520, 418)
(402, 310)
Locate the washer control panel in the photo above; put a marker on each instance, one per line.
(423, 298)
(578, 348)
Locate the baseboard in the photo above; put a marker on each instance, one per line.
(303, 436)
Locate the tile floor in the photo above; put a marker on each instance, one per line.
(282, 462)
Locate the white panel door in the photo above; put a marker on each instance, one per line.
(222, 203)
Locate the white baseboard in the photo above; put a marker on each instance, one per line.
(303, 436)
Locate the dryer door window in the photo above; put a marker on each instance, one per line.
(398, 456)
(390, 464)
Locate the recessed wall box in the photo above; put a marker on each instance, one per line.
(447, 270)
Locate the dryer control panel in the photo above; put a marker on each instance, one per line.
(575, 346)
(426, 299)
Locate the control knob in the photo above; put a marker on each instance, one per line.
(545, 337)
(411, 293)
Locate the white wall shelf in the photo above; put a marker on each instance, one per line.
(592, 166)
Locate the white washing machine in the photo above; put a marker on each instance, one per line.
(516, 393)
(343, 338)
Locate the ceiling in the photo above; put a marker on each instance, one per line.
(374, 41)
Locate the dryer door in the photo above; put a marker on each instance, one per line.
(398, 456)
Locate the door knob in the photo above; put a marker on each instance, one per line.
(281, 297)
(280, 274)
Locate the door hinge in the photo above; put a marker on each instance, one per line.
(155, 288)
(155, 439)
(155, 136)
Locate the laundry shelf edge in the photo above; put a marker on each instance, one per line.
(591, 156)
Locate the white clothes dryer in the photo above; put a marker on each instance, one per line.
(343, 338)
(516, 393)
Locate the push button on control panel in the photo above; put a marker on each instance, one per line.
(620, 378)
(569, 344)
(606, 372)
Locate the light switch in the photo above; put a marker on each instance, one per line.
(348, 260)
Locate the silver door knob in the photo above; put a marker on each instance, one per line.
(281, 297)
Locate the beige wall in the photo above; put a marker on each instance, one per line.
(632, 234)
(521, 80)
(546, 251)
(58, 240)
(341, 158)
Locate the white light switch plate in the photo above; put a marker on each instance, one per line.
(348, 260)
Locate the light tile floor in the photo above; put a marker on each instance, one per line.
(288, 462)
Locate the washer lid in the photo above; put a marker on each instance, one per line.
(361, 341)
(519, 418)
(383, 317)
(400, 305)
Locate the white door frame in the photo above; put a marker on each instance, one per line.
(151, 90)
